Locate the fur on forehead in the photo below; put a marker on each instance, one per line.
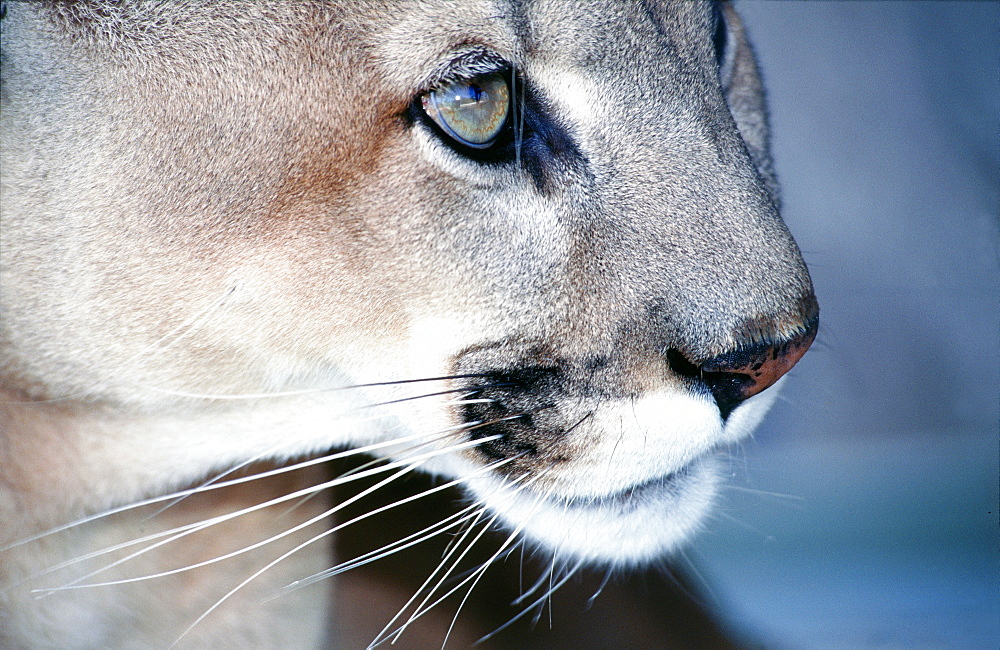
(413, 51)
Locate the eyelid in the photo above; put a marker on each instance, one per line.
(464, 64)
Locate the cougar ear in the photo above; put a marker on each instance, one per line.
(744, 92)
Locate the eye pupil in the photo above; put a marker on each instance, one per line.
(472, 111)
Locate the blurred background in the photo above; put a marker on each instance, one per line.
(864, 513)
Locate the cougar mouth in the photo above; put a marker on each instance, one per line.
(586, 462)
(635, 496)
(625, 527)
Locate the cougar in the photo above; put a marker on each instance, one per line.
(532, 249)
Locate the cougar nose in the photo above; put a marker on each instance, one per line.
(742, 373)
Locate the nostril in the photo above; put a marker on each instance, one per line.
(681, 365)
(742, 373)
(727, 388)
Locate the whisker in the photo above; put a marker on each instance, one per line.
(604, 583)
(520, 570)
(532, 589)
(458, 610)
(482, 572)
(423, 608)
(243, 479)
(777, 495)
(309, 391)
(385, 551)
(743, 524)
(212, 484)
(291, 552)
(540, 603)
(187, 530)
(273, 452)
(456, 539)
(416, 594)
(298, 548)
(705, 590)
(541, 599)
(481, 400)
(270, 453)
(409, 540)
(474, 576)
(548, 595)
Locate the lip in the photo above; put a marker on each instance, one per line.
(667, 486)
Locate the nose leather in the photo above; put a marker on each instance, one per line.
(740, 374)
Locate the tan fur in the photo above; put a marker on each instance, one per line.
(218, 215)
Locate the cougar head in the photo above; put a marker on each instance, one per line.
(534, 248)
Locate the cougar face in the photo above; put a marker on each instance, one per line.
(532, 248)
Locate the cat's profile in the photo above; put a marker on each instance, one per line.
(532, 249)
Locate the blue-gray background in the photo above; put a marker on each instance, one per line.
(864, 513)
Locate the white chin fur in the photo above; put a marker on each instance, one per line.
(626, 529)
(630, 526)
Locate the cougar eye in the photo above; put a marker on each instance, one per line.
(472, 111)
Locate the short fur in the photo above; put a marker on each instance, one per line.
(228, 236)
